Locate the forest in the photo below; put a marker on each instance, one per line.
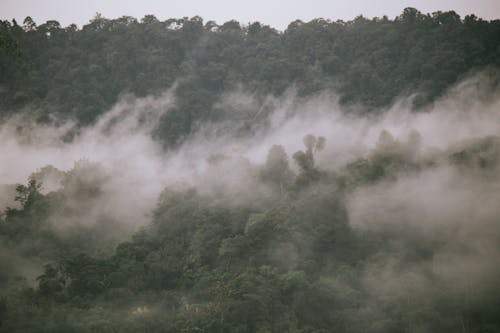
(185, 176)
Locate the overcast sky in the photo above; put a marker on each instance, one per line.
(273, 12)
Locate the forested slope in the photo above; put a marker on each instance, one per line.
(80, 73)
(285, 260)
(182, 176)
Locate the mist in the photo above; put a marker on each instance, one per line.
(436, 205)
(121, 141)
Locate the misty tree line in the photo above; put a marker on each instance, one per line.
(287, 261)
(276, 252)
(79, 73)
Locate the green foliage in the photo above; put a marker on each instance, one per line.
(480, 154)
(8, 44)
(277, 171)
(293, 264)
(288, 262)
(80, 73)
(389, 159)
(305, 160)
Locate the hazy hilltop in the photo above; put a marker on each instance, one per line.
(80, 73)
(183, 176)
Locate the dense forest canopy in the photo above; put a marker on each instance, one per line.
(184, 176)
(80, 73)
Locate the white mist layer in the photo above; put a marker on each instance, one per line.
(121, 140)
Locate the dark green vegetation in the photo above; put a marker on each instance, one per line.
(80, 73)
(401, 239)
(286, 262)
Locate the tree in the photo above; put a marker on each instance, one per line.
(277, 171)
(29, 24)
(305, 160)
(28, 194)
(8, 44)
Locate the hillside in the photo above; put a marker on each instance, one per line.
(181, 176)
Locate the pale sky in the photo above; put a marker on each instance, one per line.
(275, 13)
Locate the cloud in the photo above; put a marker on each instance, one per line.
(439, 207)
